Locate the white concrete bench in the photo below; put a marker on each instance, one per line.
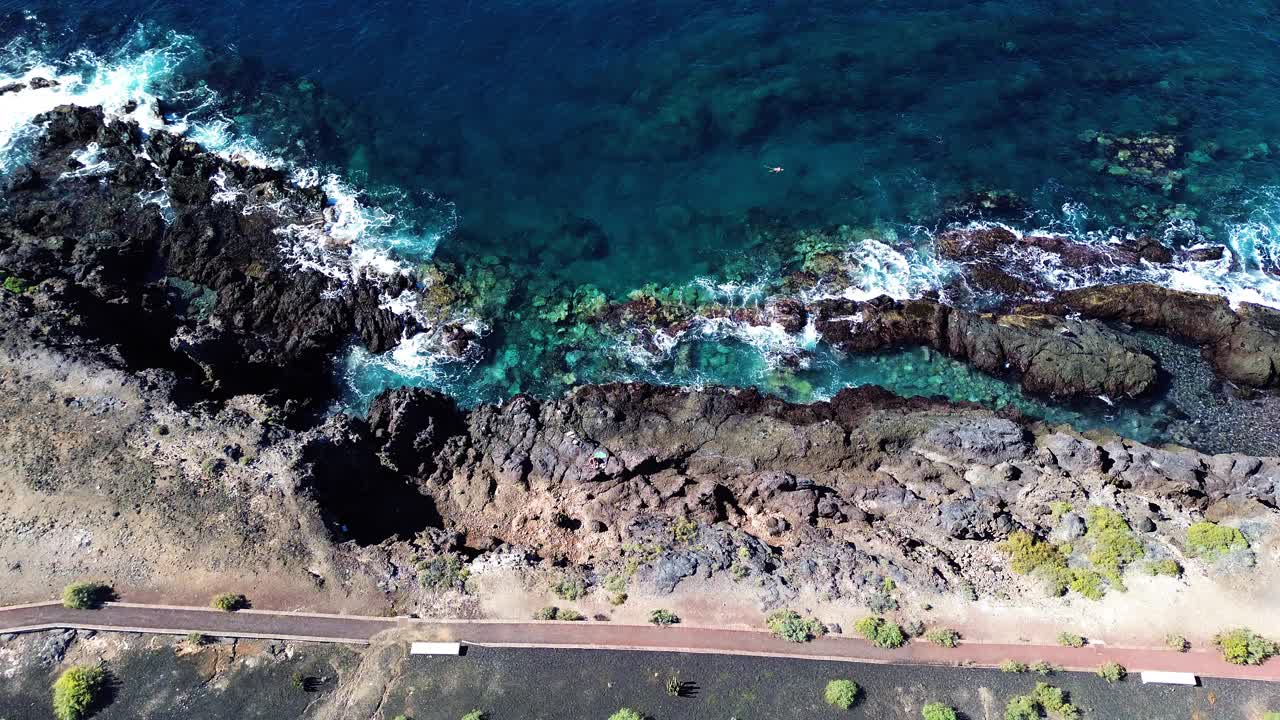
(435, 648)
(1168, 678)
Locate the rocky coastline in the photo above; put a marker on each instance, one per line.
(166, 353)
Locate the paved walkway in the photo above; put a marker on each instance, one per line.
(355, 629)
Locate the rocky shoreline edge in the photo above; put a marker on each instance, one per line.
(162, 361)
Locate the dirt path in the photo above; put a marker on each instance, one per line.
(355, 629)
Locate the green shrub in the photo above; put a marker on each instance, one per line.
(568, 614)
(841, 693)
(617, 599)
(444, 572)
(674, 686)
(229, 602)
(1271, 716)
(570, 587)
(1114, 544)
(1177, 642)
(1028, 554)
(1210, 541)
(1086, 582)
(195, 639)
(880, 632)
(938, 711)
(1112, 672)
(684, 530)
(789, 625)
(946, 637)
(615, 583)
(1042, 668)
(626, 714)
(475, 715)
(1013, 666)
(1168, 566)
(76, 691)
(663, 617)
(85, 595)
(1243, 646)
(1066, 639)
(1022, 707)
(15, 285)
(1045, 699)
(550, 612)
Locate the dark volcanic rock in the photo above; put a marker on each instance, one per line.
(1053, 355)
(411, 424)
(117, 265)
(1243, 344)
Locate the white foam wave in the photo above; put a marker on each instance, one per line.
(348, 240)
(124, 85)
(878, 268)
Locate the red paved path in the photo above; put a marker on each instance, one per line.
(596, 635)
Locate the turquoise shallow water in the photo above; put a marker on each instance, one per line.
(554, 155)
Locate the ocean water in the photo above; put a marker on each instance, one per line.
(551, 155)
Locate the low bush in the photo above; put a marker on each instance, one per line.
(475, 715)
(229, 602)
(1168, 567)
(1042, 668)
(1045, 699)
(938, 711)
(684, 530)
(568, 614)
(841, 693)
(569, 587)
(1013, 666)
(15, 285)
(789, 625)
(1243, 646)
(626, 714)
(1022, 707)
(1177, 642)
(615, 583)
(946, 637)
(195, 639)
(1028, 554)
(882, 602)
(1066, 639)
(1086, 582)
(85, 595)
(77, 690)
(1210, 541)
(444, 572)
(1114, 544)
(674, 686)
(1112, 672)
(880, 632)
(550, 612)
(663, 617)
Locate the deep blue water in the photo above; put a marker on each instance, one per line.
(495, 132)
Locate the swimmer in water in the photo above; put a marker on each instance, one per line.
(775, 169)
